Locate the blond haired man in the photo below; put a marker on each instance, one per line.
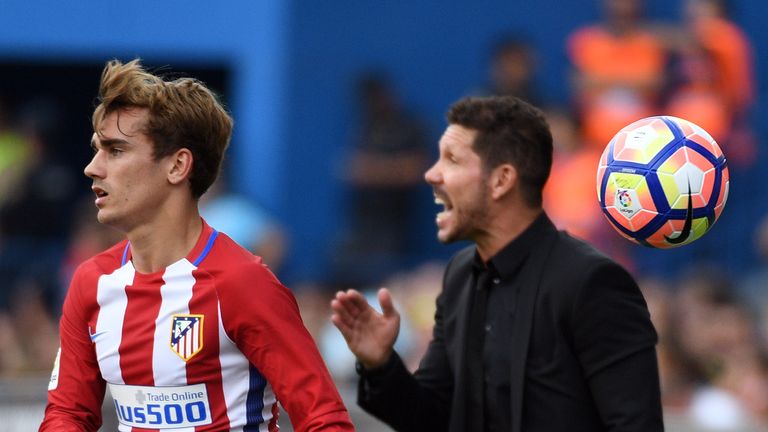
(187, 329)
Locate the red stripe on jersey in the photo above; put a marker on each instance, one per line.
(207, 369)
(139, 329)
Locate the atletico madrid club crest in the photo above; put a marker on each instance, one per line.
(187, 335)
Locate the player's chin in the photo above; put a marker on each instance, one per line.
(104, 217)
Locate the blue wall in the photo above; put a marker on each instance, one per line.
(249, 38)
(293, 64)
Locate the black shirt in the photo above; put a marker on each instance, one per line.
(498, 278)
(581, 350)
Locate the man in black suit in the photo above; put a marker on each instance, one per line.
(534, 329)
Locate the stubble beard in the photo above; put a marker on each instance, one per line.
(471, 221)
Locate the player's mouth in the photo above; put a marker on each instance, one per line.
(101, 195)
(447, 208)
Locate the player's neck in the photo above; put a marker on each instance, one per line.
(503, 229)
(169, 238)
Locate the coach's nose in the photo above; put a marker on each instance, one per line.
(433, 175)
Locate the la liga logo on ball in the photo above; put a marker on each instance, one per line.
(624, 198)
(662, 182)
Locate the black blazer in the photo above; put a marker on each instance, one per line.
(582, 350)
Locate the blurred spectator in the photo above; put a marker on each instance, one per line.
(618, 70)
(678, 372)
(35, 218)
(384, 173)
(34, 223)
(15, 154)
(245, 222)
(693, 95)
(512, 70)
(730, 49)
(713, 82)
(720, 335)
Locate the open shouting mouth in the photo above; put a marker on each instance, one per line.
(447, 207)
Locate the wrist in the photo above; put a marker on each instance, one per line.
(375, 363)
(367, 368)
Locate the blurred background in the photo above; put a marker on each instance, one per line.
(338, 108)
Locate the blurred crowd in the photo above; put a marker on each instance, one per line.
(712, 322)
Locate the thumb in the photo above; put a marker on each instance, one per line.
(387, 305)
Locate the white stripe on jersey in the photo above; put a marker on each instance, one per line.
(112, 301)
(169, 369)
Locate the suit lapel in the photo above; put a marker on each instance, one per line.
(458, 282)
(530, 278)
(460, 359)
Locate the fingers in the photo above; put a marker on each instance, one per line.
(345, 329)
(341, 317)
(387, 305)
(350, 303)
(369, 334)
(351, 300)
(347, 307)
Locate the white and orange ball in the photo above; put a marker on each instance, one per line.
(662, 182)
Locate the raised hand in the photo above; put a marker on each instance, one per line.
(370, 335)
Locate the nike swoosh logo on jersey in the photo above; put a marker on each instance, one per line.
(95, 335)
(686, 232)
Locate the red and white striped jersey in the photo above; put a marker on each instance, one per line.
(210, 343)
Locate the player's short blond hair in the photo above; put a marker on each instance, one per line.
(183, 113)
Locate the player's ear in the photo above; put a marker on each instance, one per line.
(503, 178)
(180, 166)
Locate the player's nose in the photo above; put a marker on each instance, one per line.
(95, 168)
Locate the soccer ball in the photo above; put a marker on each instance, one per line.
(662, 182)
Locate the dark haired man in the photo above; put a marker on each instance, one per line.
(534, 330)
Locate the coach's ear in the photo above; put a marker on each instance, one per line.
(503, 179)
(180, 165)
